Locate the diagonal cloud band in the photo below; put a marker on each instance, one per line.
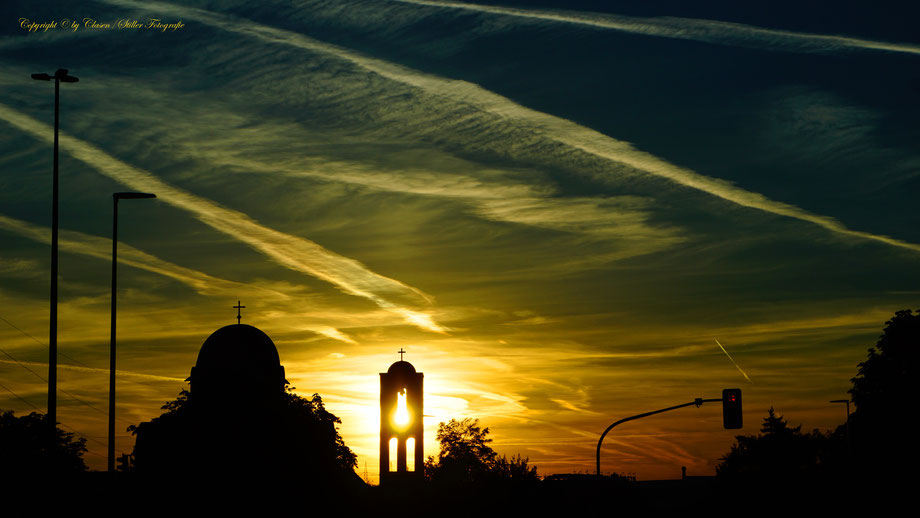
(557, 129)
(86, 369)
(709, 31)
(98, 247)
(293, 252)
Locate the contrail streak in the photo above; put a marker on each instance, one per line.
(557, 129)
(735, 364)
(293, 252)
(98, 247)
(152, 377)
(709, 31)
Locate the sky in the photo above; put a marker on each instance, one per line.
(566, 213)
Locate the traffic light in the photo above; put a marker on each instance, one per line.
(731, 408)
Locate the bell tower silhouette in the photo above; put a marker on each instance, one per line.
(401, 426)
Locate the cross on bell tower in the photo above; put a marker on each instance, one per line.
(401, 428)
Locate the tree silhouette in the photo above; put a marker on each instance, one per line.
(514, 469)
(466, 458)
(294, 437)
(886, 379)
(301, 414)
(885, 393)
(881, 428)
(29, 446)
(779, 454)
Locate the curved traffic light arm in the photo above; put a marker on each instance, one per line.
(697, 402)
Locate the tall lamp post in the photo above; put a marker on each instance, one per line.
(115, 197)
(849, 444)
(60, 75)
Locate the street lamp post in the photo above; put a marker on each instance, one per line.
(115, 197)
(60, 75)
(849, 447)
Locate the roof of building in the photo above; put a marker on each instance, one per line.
(238, 347)
(401, 367)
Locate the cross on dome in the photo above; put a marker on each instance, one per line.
(238, 307)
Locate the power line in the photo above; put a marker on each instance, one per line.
(91, 452)
(39, 342)
(74, 430)
(75, 398)
(39, 376)
(79, 400)
(19, 398)
(21, 331)
(65, 355)
(91, 438)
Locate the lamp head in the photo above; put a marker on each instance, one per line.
(61, 75)
(132, 195)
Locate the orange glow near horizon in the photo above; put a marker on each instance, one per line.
(548, 410)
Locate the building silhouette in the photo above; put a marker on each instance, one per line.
(238, 422)
(401, 424)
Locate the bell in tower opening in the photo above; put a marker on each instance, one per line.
(401, 426)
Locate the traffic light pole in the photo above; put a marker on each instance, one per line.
(698, 402)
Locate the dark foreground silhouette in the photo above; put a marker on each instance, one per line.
(284, 453)
(29, 446)
(292, 438)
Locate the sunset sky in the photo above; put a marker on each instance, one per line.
(556, 207)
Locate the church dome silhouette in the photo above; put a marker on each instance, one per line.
(239, 427)
(237, 361)
(401, 367)
(238, 347)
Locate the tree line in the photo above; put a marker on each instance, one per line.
(876, 446)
